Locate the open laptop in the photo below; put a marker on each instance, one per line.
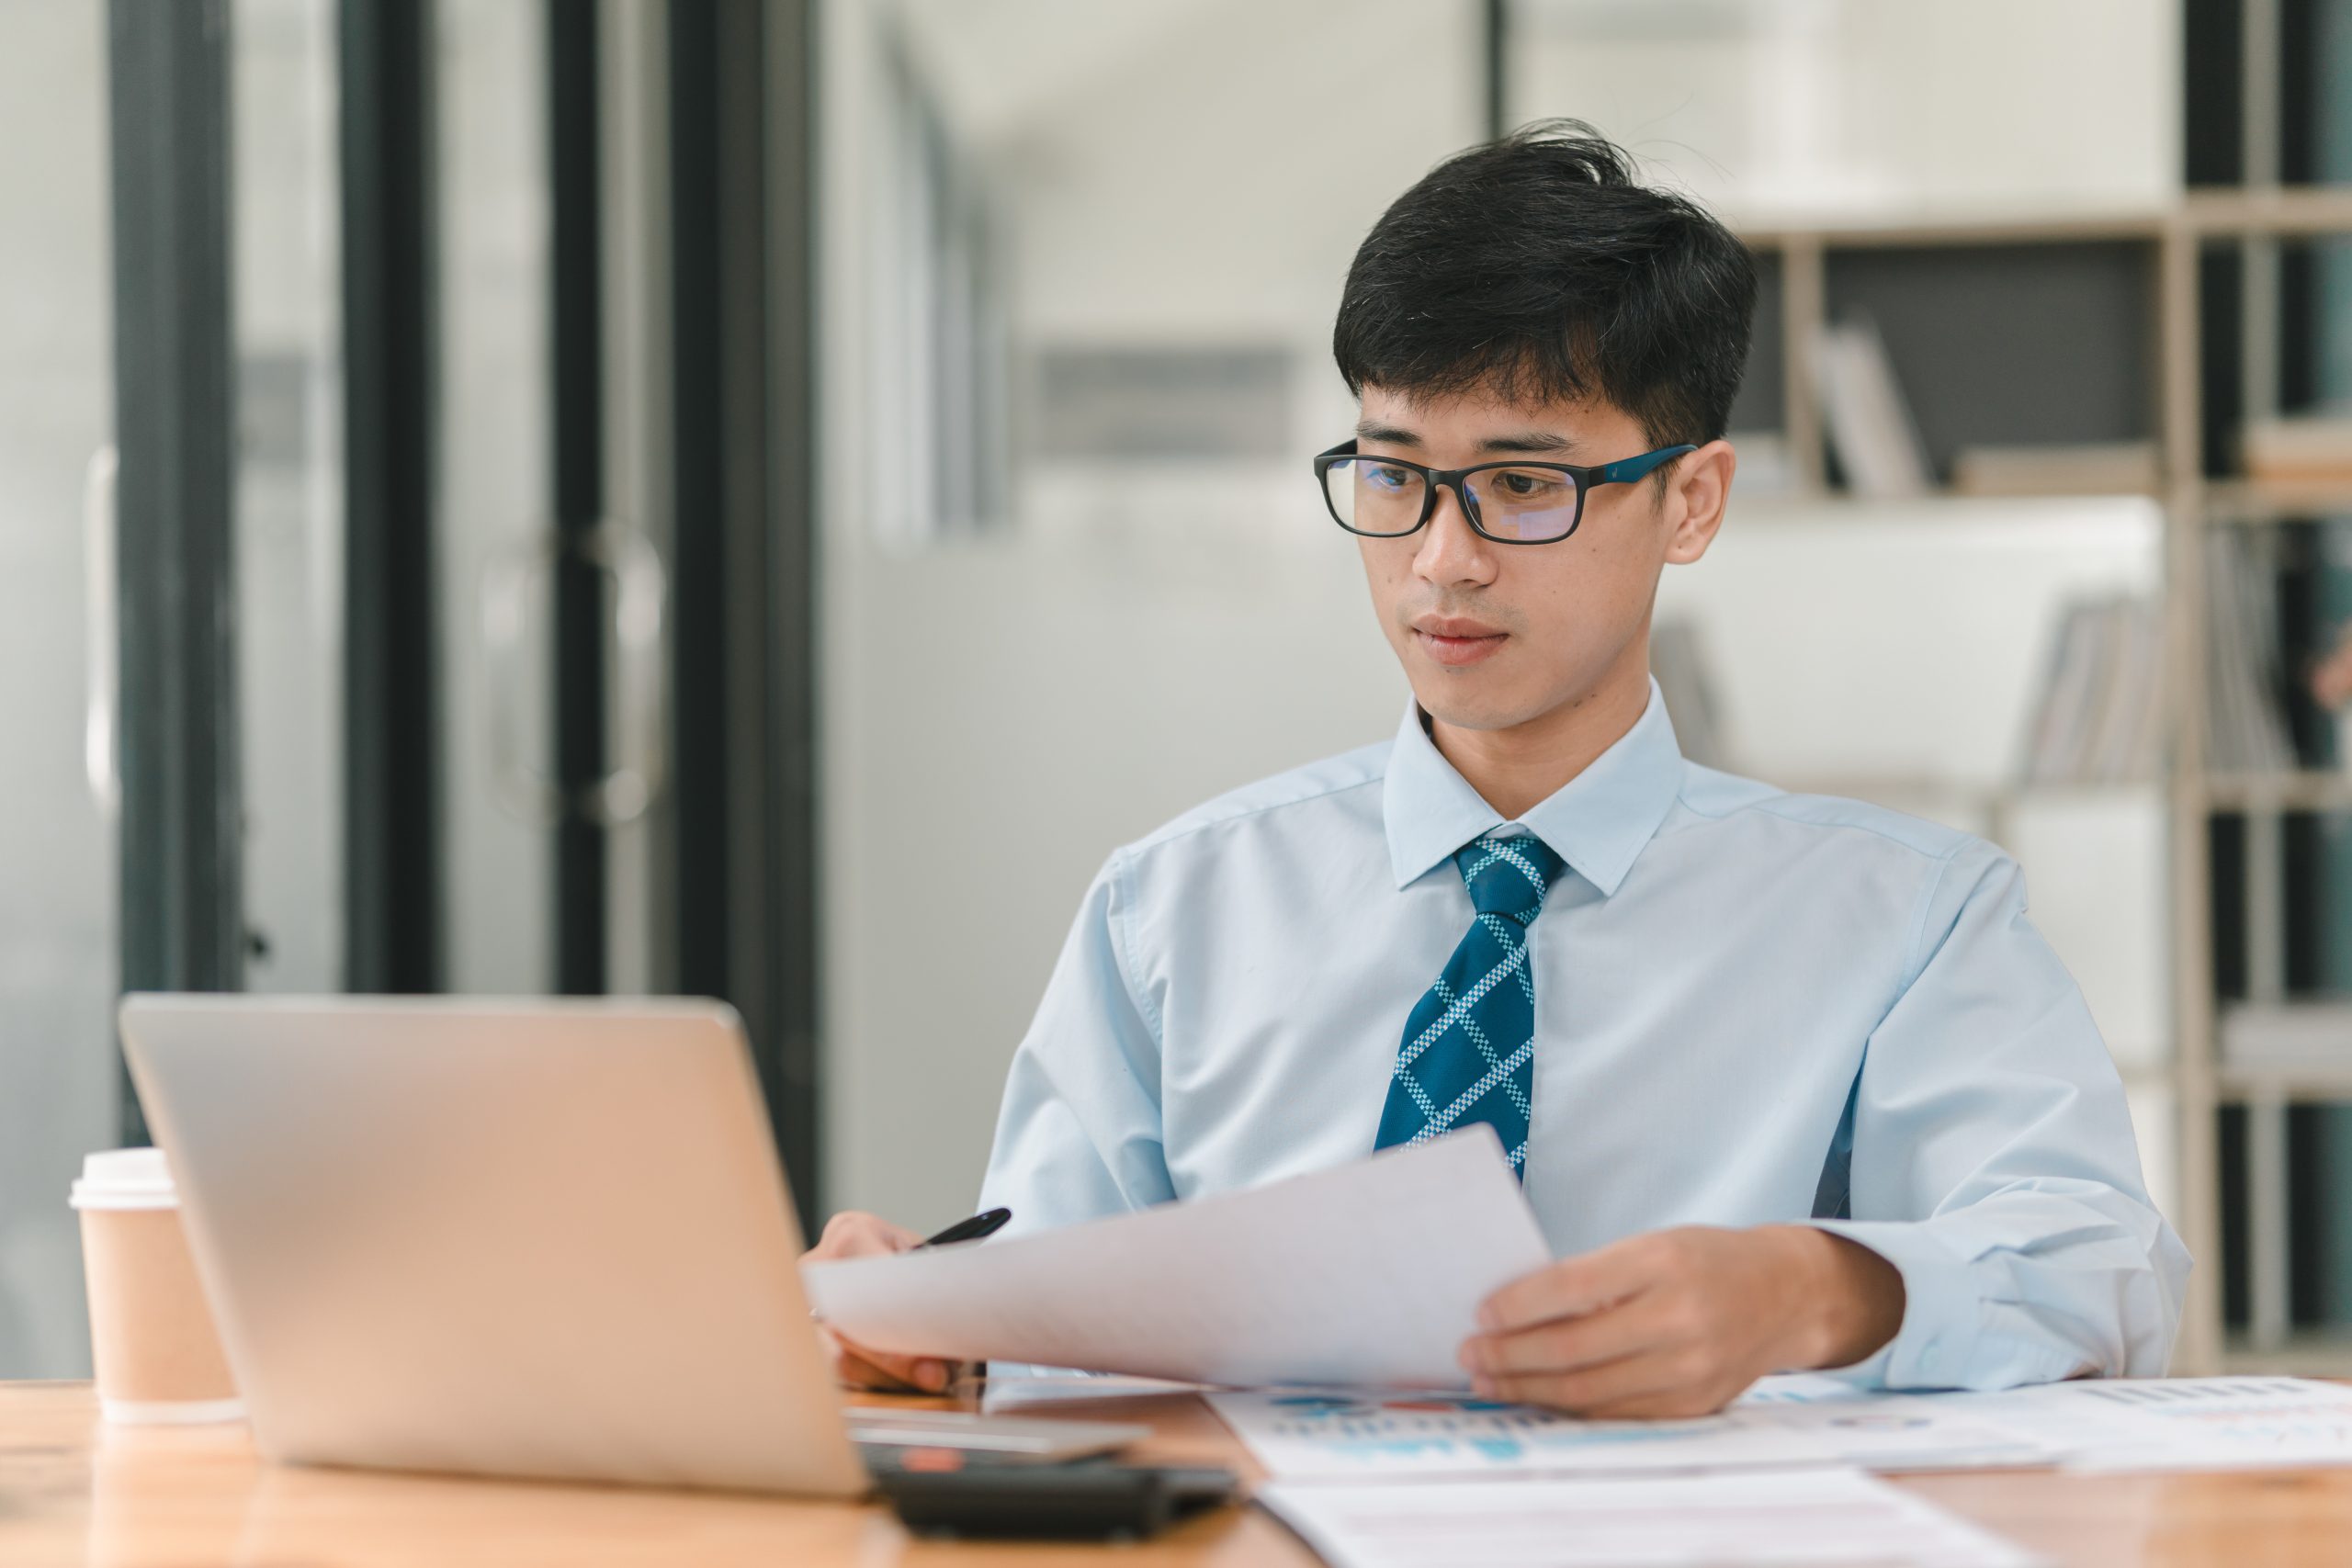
(532, 1238)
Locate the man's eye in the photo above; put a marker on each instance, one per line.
(1517, 485)
(1388, 476)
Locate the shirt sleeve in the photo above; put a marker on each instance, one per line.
(1993, 1162)
(1079, 1134)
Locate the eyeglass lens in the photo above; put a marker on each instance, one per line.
(1527, 505)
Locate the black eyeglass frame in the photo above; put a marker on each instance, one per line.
(1624, 471)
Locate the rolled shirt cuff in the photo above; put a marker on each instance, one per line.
(1944, 1342)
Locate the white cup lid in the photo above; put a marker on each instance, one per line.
(125, 1178)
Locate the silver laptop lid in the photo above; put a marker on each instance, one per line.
(535, 1238)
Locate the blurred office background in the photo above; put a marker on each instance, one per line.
(759, 499)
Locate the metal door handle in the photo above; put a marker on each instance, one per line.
(640, 591)
(101, 763)
(640, 595)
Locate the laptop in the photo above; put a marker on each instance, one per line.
(542, 1239)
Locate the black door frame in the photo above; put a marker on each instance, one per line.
(392, 715)
(744, 451)
(181, 853)
(576, 373)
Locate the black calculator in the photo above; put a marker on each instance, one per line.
(957, 1493)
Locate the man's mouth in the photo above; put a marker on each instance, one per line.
(1455, 640)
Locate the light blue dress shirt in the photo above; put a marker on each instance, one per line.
(1751, 1007)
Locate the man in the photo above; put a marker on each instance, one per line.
(1791, 1082)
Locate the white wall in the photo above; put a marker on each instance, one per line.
(1868, 108)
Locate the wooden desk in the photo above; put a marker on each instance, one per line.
(73, 1491)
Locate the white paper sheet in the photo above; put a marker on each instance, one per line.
(2179, 1422)
(1812, 1517)
(1324, 1435)
(1369, 1274)
(1007, 1394)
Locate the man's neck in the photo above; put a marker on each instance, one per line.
(1516, 769)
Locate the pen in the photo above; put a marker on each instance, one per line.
(980, 1224)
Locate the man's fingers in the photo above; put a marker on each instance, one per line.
(1565, 1344)
(872, 1369)
(1591, 1390)
(1574, 1286)
(853, 1235)
(860, 1368)
(1666, 1404)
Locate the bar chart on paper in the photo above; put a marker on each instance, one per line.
(2183, 1423)
(1337, 1434)
(1302, 1434)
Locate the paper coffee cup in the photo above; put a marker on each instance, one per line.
(158, 1357)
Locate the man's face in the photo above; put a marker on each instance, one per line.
(1496, 635)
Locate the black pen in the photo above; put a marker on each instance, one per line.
(980, 1224)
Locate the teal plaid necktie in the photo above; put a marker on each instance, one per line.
(1469, 1049)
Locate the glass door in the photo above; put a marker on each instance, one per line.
(57, 827)
(374, 379)
(288, 493)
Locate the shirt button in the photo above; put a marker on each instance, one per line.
(1927, 1357)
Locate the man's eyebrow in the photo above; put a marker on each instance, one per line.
(1518, 441)
(1529, 441)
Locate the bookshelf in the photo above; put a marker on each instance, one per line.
(2235, 502)
(2131, 361)
(2302, 790)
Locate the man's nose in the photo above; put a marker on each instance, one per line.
(1452, 551)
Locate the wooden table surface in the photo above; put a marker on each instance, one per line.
(75, 1491)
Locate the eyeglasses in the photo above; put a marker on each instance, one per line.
(1511, 503)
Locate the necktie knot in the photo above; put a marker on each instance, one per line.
(1508, 874)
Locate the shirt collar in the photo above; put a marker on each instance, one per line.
(1597, 822)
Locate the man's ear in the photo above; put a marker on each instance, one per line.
(1701, 484)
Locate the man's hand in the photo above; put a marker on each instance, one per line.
(1679, 1321)
(851, 1235)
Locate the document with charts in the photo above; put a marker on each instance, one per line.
(1340, 1435)
(1320, 1435)
(2181, 1423)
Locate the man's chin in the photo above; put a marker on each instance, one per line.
(1450, 701)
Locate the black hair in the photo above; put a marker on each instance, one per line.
(1537, 268)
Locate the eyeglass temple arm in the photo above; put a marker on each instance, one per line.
(1629, 469)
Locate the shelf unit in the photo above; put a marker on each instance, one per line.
(1799, 261)
(2306, 1353)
